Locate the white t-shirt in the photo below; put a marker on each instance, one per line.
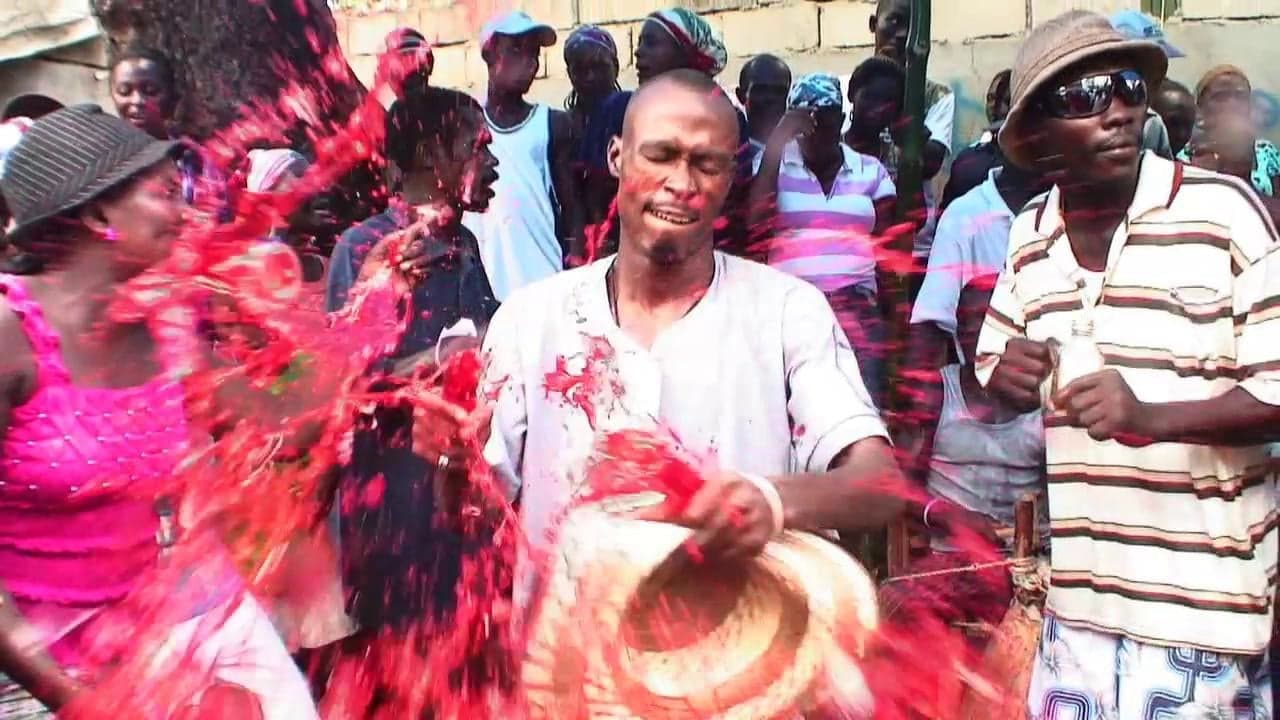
(757, 376)
(972, 240)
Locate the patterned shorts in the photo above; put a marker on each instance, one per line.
(1080, 674)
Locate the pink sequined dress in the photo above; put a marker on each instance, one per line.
(81, 469)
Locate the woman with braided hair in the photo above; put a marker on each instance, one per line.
(591, 58)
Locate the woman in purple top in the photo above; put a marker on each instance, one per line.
(92, 426)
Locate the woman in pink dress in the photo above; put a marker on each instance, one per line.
(92, 426)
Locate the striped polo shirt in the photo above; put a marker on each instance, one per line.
(826, 238)
(1170, 544)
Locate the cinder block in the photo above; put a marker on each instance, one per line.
(613, 11)
(846, 24)
(556, 13)
(777, 29)
(448, 25)
(363, 66)
(553, 59)
(451, 66)
(1042, 10)
(368, 33)
(1199, 9)
(477, 71)
(88, 52)
(625, 36)
(958, 21)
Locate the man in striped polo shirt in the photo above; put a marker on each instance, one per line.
(826, 202)
(1163, 510)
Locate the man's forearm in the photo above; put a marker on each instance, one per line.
(762, 198)
(862, 490)
(1233, 419)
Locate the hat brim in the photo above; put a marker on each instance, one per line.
(1018, 148)
(30, 105)
(1171, 50)
(545, 35)
(141, 161)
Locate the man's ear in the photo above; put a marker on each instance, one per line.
(94, 218)
(741, 94)
(615, 157)
(871, 25)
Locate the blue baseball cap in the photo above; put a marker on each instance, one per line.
(1135, 25)
(516, 23)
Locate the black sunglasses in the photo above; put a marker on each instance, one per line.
(1092, 95)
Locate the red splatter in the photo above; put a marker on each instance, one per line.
(593, 387)
(635, 461)
(461, 379)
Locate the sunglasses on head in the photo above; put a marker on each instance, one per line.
(1092, 95)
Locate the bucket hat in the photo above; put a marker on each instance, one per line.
(1056, 45)
(70, 157)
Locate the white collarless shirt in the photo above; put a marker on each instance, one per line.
(758, 378)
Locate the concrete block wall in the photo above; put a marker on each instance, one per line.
(972, 41)
(73, 74)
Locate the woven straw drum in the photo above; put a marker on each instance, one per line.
(629, 627)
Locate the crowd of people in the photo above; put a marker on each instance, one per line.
(738, 274)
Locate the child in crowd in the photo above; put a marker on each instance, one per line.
(986, 456)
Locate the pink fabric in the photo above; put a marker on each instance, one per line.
(80, 469)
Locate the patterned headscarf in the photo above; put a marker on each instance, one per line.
(586, 35)
(267, 167)
(695, 35)
(816, 91)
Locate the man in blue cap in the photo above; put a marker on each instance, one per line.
(533, 223)
(1135, 25)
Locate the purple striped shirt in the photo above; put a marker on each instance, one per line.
(826, 239)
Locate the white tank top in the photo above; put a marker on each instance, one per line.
(517, 235)
(985, 467)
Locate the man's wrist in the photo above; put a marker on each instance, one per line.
(1155, 422)
(773, 497)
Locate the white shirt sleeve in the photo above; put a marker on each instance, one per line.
(503, 380)
(829, 406)
(944, 278)
(940, 118)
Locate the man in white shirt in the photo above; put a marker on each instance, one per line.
(741, 362)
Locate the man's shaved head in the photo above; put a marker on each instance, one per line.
(683, 81)
(771, 64)
(675, 163)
